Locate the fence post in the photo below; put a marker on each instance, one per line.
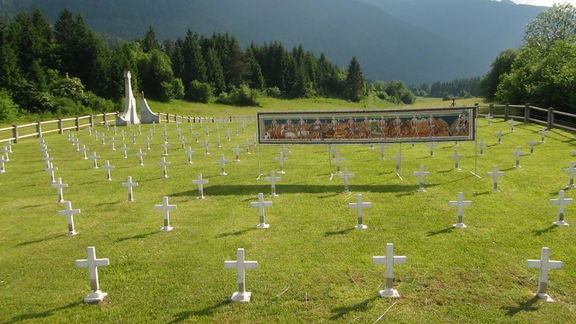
(38, 129)
(490, 110)
(77, 121)
(15, 133)
(526, 112)
(91, 121)
(60, 130)
(550, 118)
(168, 117)
(506, 112)
(175, 118)
(104, 118)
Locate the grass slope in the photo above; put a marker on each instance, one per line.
(313, 266)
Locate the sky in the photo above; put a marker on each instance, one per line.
(548, 3)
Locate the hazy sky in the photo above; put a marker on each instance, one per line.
(543, 2)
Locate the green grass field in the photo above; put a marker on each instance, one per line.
(313, 266)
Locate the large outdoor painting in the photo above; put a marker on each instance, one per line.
(374, 126)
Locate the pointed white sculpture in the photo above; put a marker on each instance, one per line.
(389, 260)
(241, 265)
(69, 213)
(545, 265)
(92, 263)
(129, 116)
(165, 208)
(261, 204)
(146, 114)
(359, 205)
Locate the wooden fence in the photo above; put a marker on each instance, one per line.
(549, 117)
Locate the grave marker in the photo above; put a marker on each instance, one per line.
(545, 265)
(124, 150)
(456, 158)
(482, 146)
(389, 260)
(164, 164)
(517, 154)
(129, 184)
(421, 174)
(495, 175)
(237, 151)
(359, 205)
(206, 146)
(84, 150)
(140, 155)
(511, 123)
(59, 186)
(570, 170)
(50, 170)
(148, 142)
(69, 213)
(189, 152)
(561, 202)
(382, 149)
(165, 146)
(165, 208)
(272, 179)
(261, 204)
(431, 147)
(92, 263)
(499, 135)
(222, 163)
(460, 203)
(281, 160)
(241, 265)
(3, 167)
(345, 175)
(108, 167)
(113, 142)
(338, 159)
(94, 157)
(532, 143)
(543, 134)
(200, 182)
(398, 159)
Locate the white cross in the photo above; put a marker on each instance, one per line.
(421, 174)
(124, 150)
(398, 158)
(237, 151)
(460, 203)
(200, 182)
(196, 137)
(165, 146)
(261, 204)
(133, 136)
(338, 159)
(482, 146)
(561, 202)
(345, 175)
(517, 154)
(206, 146)
(247, 144)
(43, 149)
(281, 159)
(333, 150)
(382, 149)
(94, 157)
(92, 263)
(9, 145)
(219, 145)
(489, 117)
(495, 175)
(241, 265)
(431, 146)
(5, 152)
(545, 265)
(456, 158)
(532, 143)
(222, 163)
(69, 213)
(272, 179)
(543, 134)
(182, 140)
(108, 167)
(189, 152)
(103, 138)
(59, 186)
(50, 169)
(3, 168)
(389, 260)
(164, 164)
(148, 142)
(511, 123)
(570, 171)
(140, 155)
(113, 142)
(77, 143)
(123, 135)
(228, 135)
(359, 206)
(499, 135)
(129, 184)
(84, 150)
(166, 208)
(47, 158)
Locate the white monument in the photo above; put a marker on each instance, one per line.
(456, 157)
(108, 168)
(545, 265)
(129, 116)
(272, 179)
(570, 170)
(94, 157)
(261, 204)
(146, 114)
(50, 169)
(140, 155)
(165, 208)
(164, 164)
(495, 175)
(92, 263)
(346, 176)
(421, 174)
(129, 184)
(561, 202)
(189, 152)
(281, 159)
(237, 151)
(389, 260)
(59, 186)
(69, 213)
(460, 203)
(517, 154)
(482, 146)
(532, 143)
(241, 265)
(200, 182)
(222, 163)
(359, 205)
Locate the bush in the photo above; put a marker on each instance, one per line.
(177, 88)
(199, 92)
(273, 92)
(9, 111)
(99, 104)
(69, 107)
(242, 96)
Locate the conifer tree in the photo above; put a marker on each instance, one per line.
(354, 88)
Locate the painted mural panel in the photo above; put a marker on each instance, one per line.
(371, 126)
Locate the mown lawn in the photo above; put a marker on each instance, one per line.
(313, 266)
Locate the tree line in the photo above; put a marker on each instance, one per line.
(459, 88)
(66, 68)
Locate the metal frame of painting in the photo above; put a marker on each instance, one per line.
(368, 126)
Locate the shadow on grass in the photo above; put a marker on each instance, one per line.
(544, 230)
(31, 316)
(526, 306)
(442, 231)
(446, 171)
(32, 206)
(224, 190)
(135, 237)
(207, 311)
(236, 233)
(360, 307)
(40, 240)
(481, 193)
(342, 232)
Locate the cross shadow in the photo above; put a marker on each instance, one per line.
(446, 171)
(40, 240)
(32, 206)
(442, 231)
(240, 232)
(508, 169)
(207, 311)
(31, 316)
(342, 232)
(481, 193)
(135, 237)
(526, 306)
(108, 203)
(544, 230)
(360, 307)
(424, 157)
